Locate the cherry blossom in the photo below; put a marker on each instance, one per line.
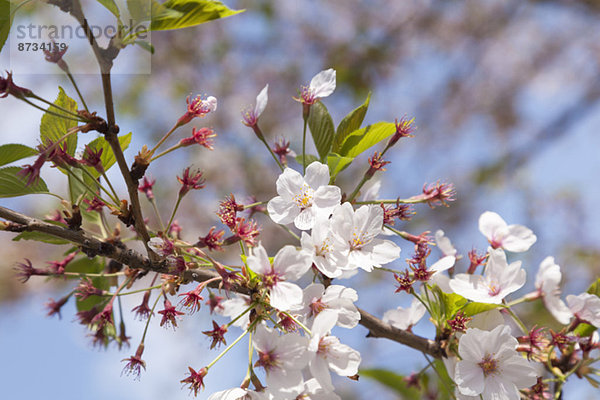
(301, 199)
(289, 264)
(328, 353)
(283, 357)
(317, 298)
(514, 238)
(250, 117)
(233, 307)
(359, 229)
(586, 307)
(329, 252)
(444, 244)
(321, 85)
(490, 365)
(238, 394)
(312, 391)
(547, 283)
(499, 280)
(405, 318)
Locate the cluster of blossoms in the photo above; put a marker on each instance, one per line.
(488, 352)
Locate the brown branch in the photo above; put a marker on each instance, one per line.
(105, 57)
(133, 259)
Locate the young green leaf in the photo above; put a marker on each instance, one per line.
(337, 164)
(476, 308)
(392, 381)
(595, 288)
(111, 6)
(321, 127)
(79, 192)
(54, 127)
(310, 158)
(13, 185)
(145, 45)
(40, 237)
(179, 14)
(107, 157)
(13, 152)
(362, 139)
(350, 123)
(6, 19)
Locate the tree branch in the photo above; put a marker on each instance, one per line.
(105, 57)
(92, 246)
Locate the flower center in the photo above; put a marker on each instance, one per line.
(358, 241)
(305, 198)
(270, 279)
(266, 360)
(494, 290)
(489, 365)
(316, 306)
(325, 248)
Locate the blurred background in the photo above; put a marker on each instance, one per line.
(505, 94)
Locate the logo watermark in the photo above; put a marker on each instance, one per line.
(48, 34)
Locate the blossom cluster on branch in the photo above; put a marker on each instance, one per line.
(290, 305)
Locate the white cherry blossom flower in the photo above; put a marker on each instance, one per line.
(250, 117)
(444, 244)
(238, 394)
(328, 251)
(235, 306)
(490, 365)
(586, 307)
(321, 85)
(405, 318)
(336, 297)
(514, 238)
(289, 265)
(283, 357)
(302, 198)
(547, 283)
(328, 353)
(312, 391)
(498, 280)
(359, 229)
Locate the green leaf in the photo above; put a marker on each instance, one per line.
(90, 266)
(350, 123)
(595, 288)
(40, 237)
(13, 152)
(145, 45)
(179, 14)
(364, 138)
(108, 157)
(309, 159)
(13, 185)
(392, 381)
(6, 20)
(337, 164)
(476, 308)
(584, 330)
(111, 6)
(321, 127)
(54, 128)
(451, 303)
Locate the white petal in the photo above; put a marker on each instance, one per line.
(469, 378)
(444, 244)
(519, 372)
(291, 263)
(323, 84)
(342, 221)
(382, 251)
(306, 219)
(282, 211)
(473, 287)
(258, 260)
(327, 197)
(320, 371)
(230, 394)
(289, 184)
(210, 103)
(261, 101)
(442, 264)
(317, 175)
(343, 359)
(285, 296)
(489, 223)
(548, 275)
(558, 308)
(519, 239)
